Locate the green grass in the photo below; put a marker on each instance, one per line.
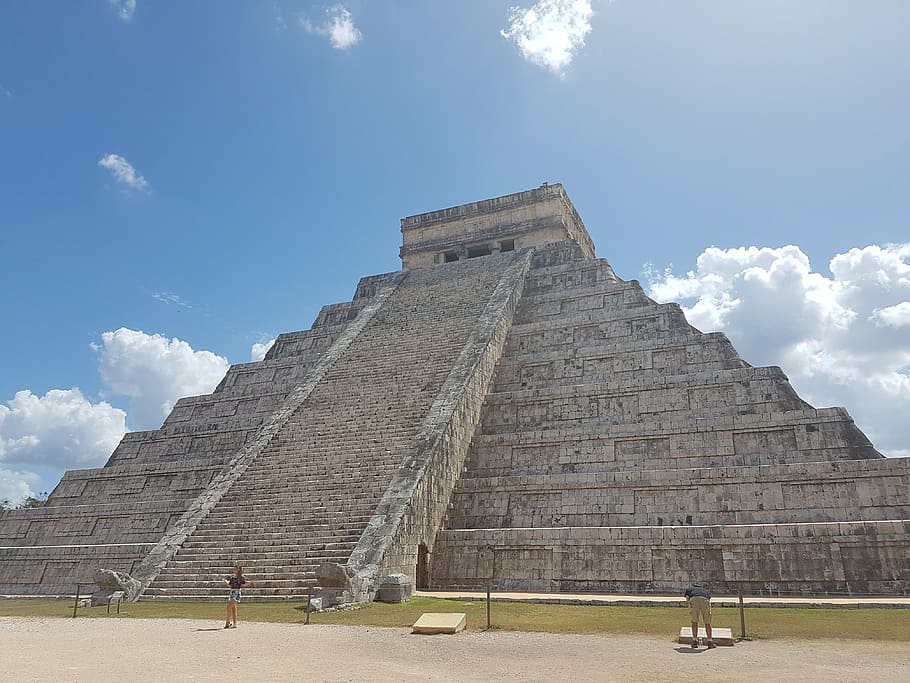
(761, 623)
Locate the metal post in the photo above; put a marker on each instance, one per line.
(488, 605)
(742, 616)
(76, 603)
(309, 597)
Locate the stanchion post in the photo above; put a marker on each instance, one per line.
(76, 601)
(309, 597)
(488, 606)
(742, 616)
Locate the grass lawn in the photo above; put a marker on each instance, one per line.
(764, 622)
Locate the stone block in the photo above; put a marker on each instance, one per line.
(431, 623)
(394, 588)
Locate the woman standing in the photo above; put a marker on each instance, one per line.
(235, 582)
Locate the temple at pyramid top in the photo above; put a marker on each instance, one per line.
(492, 226)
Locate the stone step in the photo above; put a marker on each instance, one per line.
(345, 528)
(227, 517)
(206, 565)
(642, 381)
(262, 579)
(760, 421)
(297, 593)
(328, 544)
(305, 548)
(608, 420)
(352, 531)
(208, 587)
(271, 572)
(296, 493)
(701, 348)
(632, 292)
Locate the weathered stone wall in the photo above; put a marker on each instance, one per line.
(621, 449)
(838, 557)
(735, 441)
(55, 570)
(118, 523)
(769, 494)
(533, 218)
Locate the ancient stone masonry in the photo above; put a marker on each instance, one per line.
(504, 410)
(114, 516)
(309, 495)
(620, 449)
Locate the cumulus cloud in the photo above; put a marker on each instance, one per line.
(893, 316)
(843, 340)
(154, 371)
(123, 172)
(42, 435)
(60, 429)
(338, 27)
(126, 9)
(550, 32)
(259, 349)
(15, 487)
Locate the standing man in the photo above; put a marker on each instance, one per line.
(700, 607)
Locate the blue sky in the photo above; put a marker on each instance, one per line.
(181, 181)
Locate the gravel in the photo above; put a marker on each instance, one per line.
(100, 650)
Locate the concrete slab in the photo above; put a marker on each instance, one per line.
(436, 622)
(720, 636)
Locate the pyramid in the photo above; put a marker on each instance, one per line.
(503, 411)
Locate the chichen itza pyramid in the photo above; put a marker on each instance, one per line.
(503, 410)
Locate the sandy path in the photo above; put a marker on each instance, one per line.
(120, 650)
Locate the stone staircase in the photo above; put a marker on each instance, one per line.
(113, 516)
(307, 498)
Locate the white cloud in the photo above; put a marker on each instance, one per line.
(170, 298)
(338, 27)
(259, 349)
(64, 430)
(4, 91)
(892, 316)
(551, 32)
(154, 371)
(123, 172)
(126, 9)
(843, 340)
(15, 487)
(60, 429)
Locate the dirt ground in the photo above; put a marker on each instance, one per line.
(89, 650)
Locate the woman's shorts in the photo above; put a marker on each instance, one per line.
(234, 595)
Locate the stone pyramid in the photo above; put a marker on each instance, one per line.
(504, 410)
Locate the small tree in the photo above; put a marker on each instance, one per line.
(28, 502)
(34, 502)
